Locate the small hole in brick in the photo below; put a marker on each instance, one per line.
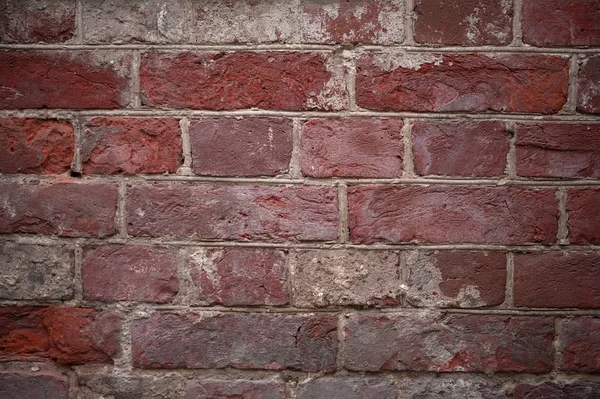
(74, 173)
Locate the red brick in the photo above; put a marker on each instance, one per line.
(508, 215)
(20, 385)
(558, 150)
(129, 273)
(583, 208)
(468, 22)
(36, 271)
(66, 335)
(580, 345)
(553, 390)
(218, 81)
(239, 276)
(347, 388)
(251, 389)
(61, 79)
(422, 342)
(460, 148)
(40, 146)
(131, 145)
(376, 22)
(63, 208)
(557, 280)
(241, 147)
(352, 147)
(237, 340)
(588, 80)
(34, 21)
(561, 22)
(233, 212)
(462, 82)
(465, 279)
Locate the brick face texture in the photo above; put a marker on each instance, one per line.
(269, 199)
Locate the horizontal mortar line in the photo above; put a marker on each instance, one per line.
(180, 113)
(53, 240)
(133, 180)
(304, 47)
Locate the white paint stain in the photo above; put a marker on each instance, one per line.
(390, 61)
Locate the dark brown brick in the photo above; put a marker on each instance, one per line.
(557, 280)
(64, 209)
(465, 22)
(241, 147)
(588, 80)
(583, 208)
(239, 276)
(22, 385)
(64, 79)
(352, 147)
(429, 342)
(233, 212)
(552, 390)
(462, 82)
(558, 150)
(561, 22)
(460, 148)
(509, 215)
(580, 345)
(346, 388)
(129, 273)
(242, 341)
(251, 389)
(216, 81)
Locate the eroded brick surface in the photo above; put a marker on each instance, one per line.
(167, 340)
(588, 80)
(20, 385)
(580, 344)
(347, 388)
(462, 82)
(255, 389)
(552, 390)
(583, 207)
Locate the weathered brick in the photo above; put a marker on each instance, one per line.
(35, 271)
(251, 389)
(61, 79)
(242, 341)
(460, 148)
(467, 23)
(583, 208)
(347, 388)
(465, 279)
(429, 342)
(218, 81)
(588, 80)
(20, 385)
(346, 277)
(239, 276)
(233, 212)
(241, 147)
(66, 335)
(557, 280)
(509, 215)
(64, 209)
(129, 273)
(376, 22)
(580, 345)
(353, 147)
(552, 390)
(131, 145)
(558, 150)
(561, 22)
(462, 82)
(40, 146)
(205, 22)
(34, 21)
(96, 386)
(451, 387)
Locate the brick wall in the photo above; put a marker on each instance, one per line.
(300, 199)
